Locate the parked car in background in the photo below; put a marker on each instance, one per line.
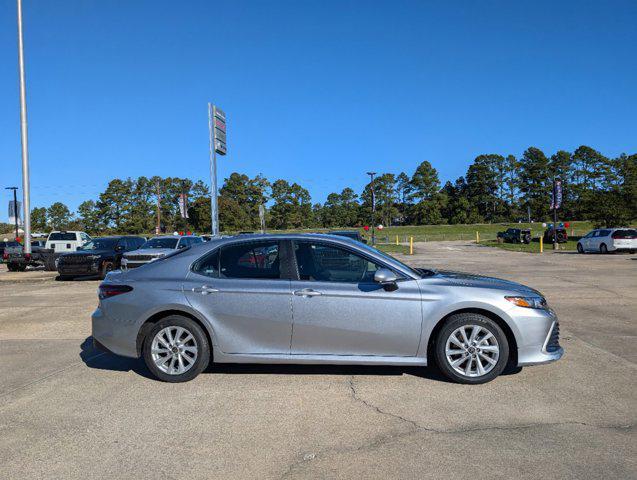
(97, 257)
(559, 233)
(604, 240)
(66, 241)
(18, 261)
(3, 245)
(353, 234)
(516, 235)
(321, 299)
(156, 248)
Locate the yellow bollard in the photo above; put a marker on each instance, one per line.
(477, 237)
(411, 245)
(396, 239)
(541, 244)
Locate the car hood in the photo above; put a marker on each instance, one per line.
(479, 281)
(157, 252)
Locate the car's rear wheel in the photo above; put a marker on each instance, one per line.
(471, 348)
(176, 349)
(603, 248)
(580, 249)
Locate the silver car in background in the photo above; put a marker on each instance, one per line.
(319, 299)
(157, 247)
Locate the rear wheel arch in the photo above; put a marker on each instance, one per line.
(513, 344)
(153, 319)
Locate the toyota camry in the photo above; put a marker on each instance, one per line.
(318, 299)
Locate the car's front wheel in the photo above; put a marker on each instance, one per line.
(176, 349)
(580, 249)
(471, 348)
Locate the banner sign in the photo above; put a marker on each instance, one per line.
(556, 195)
(12, 212)
(183, 205)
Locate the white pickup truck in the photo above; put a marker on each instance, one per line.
(66, 241)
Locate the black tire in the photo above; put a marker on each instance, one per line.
(106, 267)
(465, 319)
(203, 349)
(49, 264)
(603, 248)
(16, 267)
(580, 249)
(11, 267)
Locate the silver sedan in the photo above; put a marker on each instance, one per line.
(318, 299)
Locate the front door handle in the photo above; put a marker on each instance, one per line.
(307, 292)
(205, 290)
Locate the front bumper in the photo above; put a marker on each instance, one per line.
(79, 269)
(537, 335)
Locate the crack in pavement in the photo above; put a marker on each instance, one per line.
(416, 428)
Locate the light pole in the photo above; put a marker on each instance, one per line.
(15, 208)
(26, 200)
(371, 176)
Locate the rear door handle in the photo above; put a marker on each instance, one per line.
(205, 290)
(307, 292)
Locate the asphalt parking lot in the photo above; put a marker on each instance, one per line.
(68, 411)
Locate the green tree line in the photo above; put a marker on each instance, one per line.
(495, 188)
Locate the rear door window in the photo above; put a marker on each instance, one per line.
(257, 260)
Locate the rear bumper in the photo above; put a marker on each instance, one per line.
(113, 335)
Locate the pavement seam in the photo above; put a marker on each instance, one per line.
(49, 375)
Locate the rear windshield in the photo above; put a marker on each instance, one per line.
(625, 234)
(62, 236)
(161, 243)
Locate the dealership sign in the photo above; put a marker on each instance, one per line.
(219, 130)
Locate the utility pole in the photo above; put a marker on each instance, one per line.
(371, 175)
(15, 208)
(555, 245)
(24, 137)
(158, 227)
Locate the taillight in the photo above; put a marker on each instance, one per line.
(27, 257)
(108, 290)
(5, 256)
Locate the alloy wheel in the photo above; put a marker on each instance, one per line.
(472, 350)
(174, 350)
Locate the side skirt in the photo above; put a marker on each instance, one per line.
(220, 357)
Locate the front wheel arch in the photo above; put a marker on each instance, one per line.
(148, 325)
(513, 344)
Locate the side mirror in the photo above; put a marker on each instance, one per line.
(386, 278)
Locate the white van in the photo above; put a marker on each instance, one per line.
(64, 241)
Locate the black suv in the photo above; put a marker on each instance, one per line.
(516, 235)
(97, 257)
(558, 233)
(353, 234)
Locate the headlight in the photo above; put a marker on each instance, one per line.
(529, 302)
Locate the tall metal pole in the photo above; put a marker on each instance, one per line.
(371, 174)
(26, 191)
(214, 210)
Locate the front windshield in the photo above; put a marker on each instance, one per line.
(100, 244)
(161, 243)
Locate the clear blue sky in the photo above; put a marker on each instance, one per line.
(316, 92)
